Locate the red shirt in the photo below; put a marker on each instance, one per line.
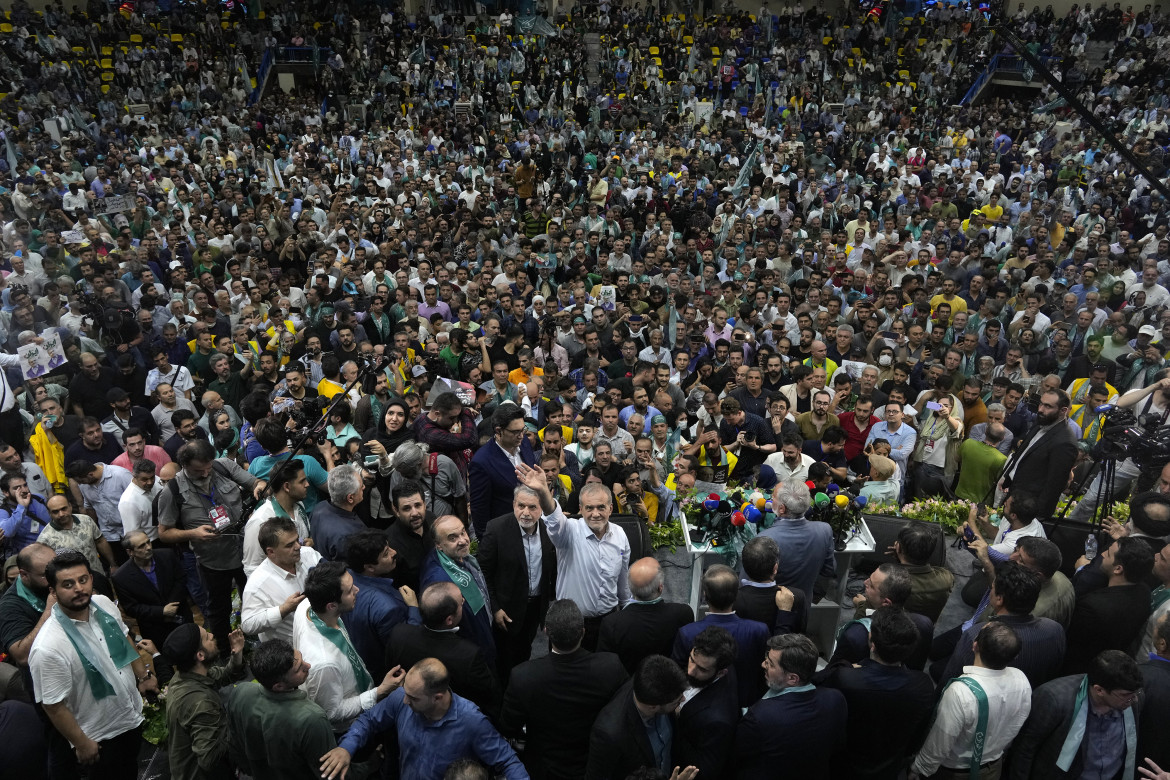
(854, 436)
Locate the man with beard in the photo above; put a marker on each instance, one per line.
(448, 429)
(197, 736)
(27, 605)
(1041, 464)
(93, 700)
(705, 726)
(126, 416)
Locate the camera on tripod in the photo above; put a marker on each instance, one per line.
(1126, 434)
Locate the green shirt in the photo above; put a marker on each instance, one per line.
(980, 469)
(277, 736)
(197, 738)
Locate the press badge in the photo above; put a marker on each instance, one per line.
(219, 517)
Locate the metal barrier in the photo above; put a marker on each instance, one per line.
(1012, 63)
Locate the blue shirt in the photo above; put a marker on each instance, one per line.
(901, 441)
(427, 748)
(330, 526)
(807, 551)
(262, 466)
(21, 527)
(625, 414)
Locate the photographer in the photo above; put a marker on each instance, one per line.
(1151, 405)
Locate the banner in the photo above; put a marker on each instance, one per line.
(113, 204)
(40, 359)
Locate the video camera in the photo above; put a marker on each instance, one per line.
(1126, 435)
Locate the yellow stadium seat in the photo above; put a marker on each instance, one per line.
(850, 61)
(657, 61)
(262, 15)
(921, 41)
(715, 50)
(107, 51)
(856, 51)
(176, 38)
(688, 40)
(654, 51)
(6, 27)
(107, 77)
(826, 40)
(78, 49)
(107, 63)
(913, 85)
(135, 38)
(905, 74)
(105, 88)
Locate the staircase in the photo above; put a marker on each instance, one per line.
(593, 50)
(1096, 56)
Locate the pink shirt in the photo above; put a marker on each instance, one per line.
(156, 455)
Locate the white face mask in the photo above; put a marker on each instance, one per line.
(885, 360)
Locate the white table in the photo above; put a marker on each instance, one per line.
(825, 616)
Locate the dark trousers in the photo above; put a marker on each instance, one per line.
(219, 601)
(194, 582)
(117, 759)
(593, 631)
(12, 429)
(514, 646)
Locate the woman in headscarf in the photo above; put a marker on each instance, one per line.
(389, 433)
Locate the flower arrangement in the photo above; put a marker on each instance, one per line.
(155, 712)
(949, 514)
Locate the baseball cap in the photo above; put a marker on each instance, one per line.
(419, 371)
(1147, 330)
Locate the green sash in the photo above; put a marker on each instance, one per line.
(121, 653)
(35, 601)
(340, 640)
(980, 737)
(463, 579)
(1159, 597)
(1076, 733)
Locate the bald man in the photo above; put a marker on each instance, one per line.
(648, 625)
(213, 403)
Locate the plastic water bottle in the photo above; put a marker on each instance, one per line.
(1091, 546)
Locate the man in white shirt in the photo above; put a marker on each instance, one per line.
(276, 588)
(790, 461)
(136, 504)
(593, 555)
(98, 710)
(289, 487)
(338, 679)
(1004, 691)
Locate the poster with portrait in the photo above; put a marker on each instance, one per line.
(607, 297)
(41, 359)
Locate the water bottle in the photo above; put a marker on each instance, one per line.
(1091, 546)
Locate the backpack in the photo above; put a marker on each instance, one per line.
(248, 503)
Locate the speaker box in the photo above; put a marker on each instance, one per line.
(637, 533)
(885, 529)
(1069, 536)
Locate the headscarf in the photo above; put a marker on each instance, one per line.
(391, 441)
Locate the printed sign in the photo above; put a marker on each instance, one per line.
(113, 204)
(41, 359)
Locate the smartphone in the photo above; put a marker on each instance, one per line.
(932, 406)
(889, 334)
(969, 535)
(981, 510)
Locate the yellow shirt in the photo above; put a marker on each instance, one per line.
(328, 388)
(957, 305)
(518, 375)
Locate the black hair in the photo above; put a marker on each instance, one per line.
(364, 548)
(271, 661)
(66, 559)
(323, 584)
(1114, 670)
(760, 556)
(893, 634)
(658, 680)
(1018, 586)
(718, 643)
(564, 624)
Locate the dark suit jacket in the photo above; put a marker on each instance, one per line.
(492, 480)
(1042, 648)
(800, 732)
(475, 626)
(1043, 469)
(1152, 740)
(505, 567)
(705, 728)
(471, 675)
(557, 698)
(853, 643)
(901, 699)
(141, 600)
(1105, 619)
(751, 640)
(759, 603)
(1037, 747)
(618, 745)
(640, 630)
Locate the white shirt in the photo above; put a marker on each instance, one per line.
(592, 572)
(58, 676)
(179, 377)
(1007, 539)
(783, 472)
(253, 555)
(105, 498)
(331, 683)
(135, 508)
(1009, 700)
(268, 587)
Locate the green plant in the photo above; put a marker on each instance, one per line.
(669, 535)
(155, 729)
(949, 514)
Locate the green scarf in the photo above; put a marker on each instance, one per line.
(120, 650)
(1159, 597)
(340, 640)
(462, 578)
(34, 601)
(1076, 733)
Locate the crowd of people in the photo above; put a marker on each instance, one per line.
(346, 397)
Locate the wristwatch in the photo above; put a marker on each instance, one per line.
(145, 677)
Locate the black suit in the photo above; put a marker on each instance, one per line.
(505, 567)
(140, 599)
(640, 630)
(471, 676)
(800, 734)
(754, 603)
(618, 745)
(1043, 470)
(705, 728)
(900, 699)
(1110, 618)
(1152, 740)
(557, 698)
